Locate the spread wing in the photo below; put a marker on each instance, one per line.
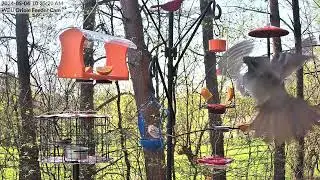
(307, 45)
(286, 63)
(231, 61)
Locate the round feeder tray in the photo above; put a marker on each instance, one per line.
(216, 108)
(268, 31)
(215, 162)
(154, 144)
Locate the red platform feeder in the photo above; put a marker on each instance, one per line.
(216, 108)
(215, 162)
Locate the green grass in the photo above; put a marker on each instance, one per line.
(252, 159)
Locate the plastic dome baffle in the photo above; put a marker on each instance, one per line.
(72, 59)
(268, 32)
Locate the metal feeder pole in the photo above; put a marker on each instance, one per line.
(171, 117)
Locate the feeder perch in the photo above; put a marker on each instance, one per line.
(223, 128)
(268, 32)
(217, 45)
(216, 108)
(215, 162)
(72, 58)
(63, 138)
(206, 94)
(151, 143)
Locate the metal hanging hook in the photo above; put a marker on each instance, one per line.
(216, 17)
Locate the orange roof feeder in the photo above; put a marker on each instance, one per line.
(72, 59)
(217, 45)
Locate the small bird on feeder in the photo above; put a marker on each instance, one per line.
(170, 6)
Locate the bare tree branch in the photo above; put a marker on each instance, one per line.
(111, 99)
(7, 37)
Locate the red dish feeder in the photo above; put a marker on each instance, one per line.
(216, 108)
(268, 31)
(215, 162)
(217, 45)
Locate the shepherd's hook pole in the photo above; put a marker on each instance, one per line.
(171, 116)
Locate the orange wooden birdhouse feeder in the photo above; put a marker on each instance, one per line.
(72, 59)
(217, 45)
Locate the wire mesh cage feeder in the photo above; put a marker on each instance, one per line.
(74, 137)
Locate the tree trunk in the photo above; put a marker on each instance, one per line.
(216, 138)
(28, 153)
(122, 134)
(279, 157)
(86, 93)
(297, 37)
(138, 61)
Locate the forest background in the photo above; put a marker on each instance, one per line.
(30, 53)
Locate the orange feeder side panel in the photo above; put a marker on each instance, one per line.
(116, 58)
(71, 63)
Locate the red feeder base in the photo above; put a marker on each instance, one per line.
(216, 108)
(216, 162)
